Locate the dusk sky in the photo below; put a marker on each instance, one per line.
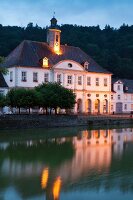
(80, 12)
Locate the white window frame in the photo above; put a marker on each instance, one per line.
(79, 80)
(88, 80)
(23, 76)
(59, 78)
(97, 81)
(69, 79)
(35, 76)
(105, 82)
(46, 77)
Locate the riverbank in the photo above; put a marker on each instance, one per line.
(49, 121)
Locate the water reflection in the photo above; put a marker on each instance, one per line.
(91, 160)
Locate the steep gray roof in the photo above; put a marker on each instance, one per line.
(30, 53)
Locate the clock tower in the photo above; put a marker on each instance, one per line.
(53, 36)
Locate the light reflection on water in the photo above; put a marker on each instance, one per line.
(95, 164)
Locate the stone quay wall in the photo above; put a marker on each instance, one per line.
(45, 121)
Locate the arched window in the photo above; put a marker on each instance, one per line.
(45, 62)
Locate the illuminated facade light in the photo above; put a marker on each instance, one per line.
(56, 188)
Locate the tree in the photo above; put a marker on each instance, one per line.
(3, 70)
(53, 95)
(22, 98)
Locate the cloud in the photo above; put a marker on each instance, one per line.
(81, 12)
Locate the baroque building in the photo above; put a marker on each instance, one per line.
(32, 63)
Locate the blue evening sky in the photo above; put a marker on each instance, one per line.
(80, 12)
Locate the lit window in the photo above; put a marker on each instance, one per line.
(118, 87)
(112, 97)
(46, 77)
(119, 97)
(125, 106)
(11, 76)
(24, 76)
(79, 80)
(58, 78)
(97, 81)
(88, 80)
(105, 82)
(35, 76)
(69, 79)
(45, 62)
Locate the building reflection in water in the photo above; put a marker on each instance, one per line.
(93, 155)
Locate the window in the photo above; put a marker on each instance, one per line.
(112, 107)
(11, 76)
(118, 87)
(125, 97)
(70, 65)
(79, 80)
(69, 79)
(35, 77)
(119, 97)
(88, 80)
(125, 106)
(131, 106)
(46, 77)
(112, 97)
(86, 65)
(58, 78)
(105, 82)
(24, 76)
(57, 38)
(45, 62)
(97, 81)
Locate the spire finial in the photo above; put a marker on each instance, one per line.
(54, 14)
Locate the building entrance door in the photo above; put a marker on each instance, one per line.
(119, 107)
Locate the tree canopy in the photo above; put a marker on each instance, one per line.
(48, 96)
(111, 48)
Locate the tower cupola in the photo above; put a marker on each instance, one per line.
(53, 36)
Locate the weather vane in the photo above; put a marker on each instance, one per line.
(54, 14)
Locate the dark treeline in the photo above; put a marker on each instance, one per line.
(111, 48)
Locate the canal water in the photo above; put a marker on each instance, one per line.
(66, 164)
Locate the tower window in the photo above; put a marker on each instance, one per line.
(45, 62)
(57, 38)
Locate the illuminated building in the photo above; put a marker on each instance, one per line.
(32, 63)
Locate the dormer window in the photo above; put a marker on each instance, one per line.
(86, 65)
(45, 62)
